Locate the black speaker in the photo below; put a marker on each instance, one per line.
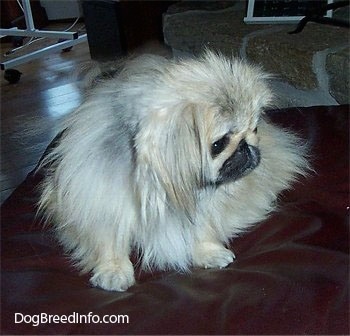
(103, 27)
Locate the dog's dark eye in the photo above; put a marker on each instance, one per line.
(255, 130)
(218, 146)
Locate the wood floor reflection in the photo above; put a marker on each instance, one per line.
(31, 108)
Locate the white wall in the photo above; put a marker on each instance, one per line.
(62, 9)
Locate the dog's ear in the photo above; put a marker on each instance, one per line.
(169, 157)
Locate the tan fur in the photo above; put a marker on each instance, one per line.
(133, 170)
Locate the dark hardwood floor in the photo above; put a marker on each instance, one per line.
(31, 108)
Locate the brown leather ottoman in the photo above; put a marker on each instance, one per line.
(291, 275)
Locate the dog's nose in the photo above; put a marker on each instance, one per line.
(242, 147)
(249, 153)
(240, 163)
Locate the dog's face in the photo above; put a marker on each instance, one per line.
(227, 144)
(208, 134)
(197, 148)
(234, 152)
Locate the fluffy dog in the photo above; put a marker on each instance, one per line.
(169, 158)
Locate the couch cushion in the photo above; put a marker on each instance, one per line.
(290, 276)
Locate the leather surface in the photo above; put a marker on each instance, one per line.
(291, 274)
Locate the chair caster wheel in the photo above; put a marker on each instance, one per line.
(12, 76)
(65, 49)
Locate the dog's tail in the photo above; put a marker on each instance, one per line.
(93, 72)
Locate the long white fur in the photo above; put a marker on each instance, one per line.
(132, 170)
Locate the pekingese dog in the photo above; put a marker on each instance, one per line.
(168, 158)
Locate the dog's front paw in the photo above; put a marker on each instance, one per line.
(211, 255)
(113, 277)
